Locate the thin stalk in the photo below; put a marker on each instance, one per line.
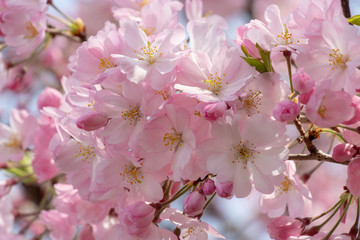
(326, 212)
(341, 217)
(208, 202)
(67, 17)
(348, 128)
(63, 21)
(288, 62)
(336, 133)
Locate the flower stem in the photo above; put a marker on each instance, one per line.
(341, 217)
(67, 17)
(336, 133)
(326, 212)
(208, 202)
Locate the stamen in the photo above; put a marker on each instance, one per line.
(133, 114)
(173, 140)
(85, 152)
(132, 175)
(106, 63)
(31, 31)
(286, 185)
(149, 53)
(252, 101)
(215, 83)
(337, 59)
(13, 143)
(243, 153)
(285, 38)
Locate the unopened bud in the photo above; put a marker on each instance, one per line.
(91, 121)
(194, 204)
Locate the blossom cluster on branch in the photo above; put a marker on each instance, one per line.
(148, 115)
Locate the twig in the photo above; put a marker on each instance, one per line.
(320, 156)
(346, 8)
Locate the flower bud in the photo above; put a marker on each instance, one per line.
(286, 110)
(194, 204)
(344, 152)
(86, 233)
(49, 97)
(136, 218)
(208, 187)
(283, 227)
(224, 189)
(91, 121)
(302, 82)
(304, 98)
(214, 111)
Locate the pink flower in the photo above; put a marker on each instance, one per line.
(344, 152)
(213, 111)
(327, 108)
(283, 227)
(292, 194)
(136, 219)
(194, 203)
(49, 97)
(59, 224)
(332, 56)
(224, 189)
(208, 187)
(242, 150)
(302, 81)
(356, 105)
(24, 25)
(191, 228)
(286, 110)
(353, 180)
(14, 140)
(91, 121)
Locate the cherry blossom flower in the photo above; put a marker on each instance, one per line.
(241, 150)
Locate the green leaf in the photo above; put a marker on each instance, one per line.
(354, 20)
(245, 51)
(259, 66)
(265, 56)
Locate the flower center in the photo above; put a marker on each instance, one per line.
(243, 154)
(251, 101)
(173, 140)
(149, 53)
(133, 114)
(286, 185)
(85, 152)
(143, 3)
(322, 109)
(285, 38)
(106, 63)
(191, 231)
(165, 93)
(337, 59)
(131, 174)
(214, 82)
(13, 143)
(31, 31)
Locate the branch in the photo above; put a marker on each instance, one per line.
(320, 156)
(346, 8)
(310, 146)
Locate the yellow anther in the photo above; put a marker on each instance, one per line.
(106, 63)
(243, 153)
(285, 37)
(337, 59)
(149, 53)
(85, 152)
(31, 31)
(133, 114)
(173, 140)
(132, 175)
(252, 101)
(215, 82)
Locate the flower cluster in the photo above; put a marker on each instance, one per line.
(148, 115)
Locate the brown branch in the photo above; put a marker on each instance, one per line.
(320, 156)
(346, 8)
(310, 146)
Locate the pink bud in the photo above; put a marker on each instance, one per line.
(86, 233)
(353, 180)
(224, 189)
(91, 121)
(344, 152)
(283, 227)
(49, 97)
(214, 111)
(304, 98)
(194, 203)
(208, 187)
(302, 81)
(136, 218)
(286, 110)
